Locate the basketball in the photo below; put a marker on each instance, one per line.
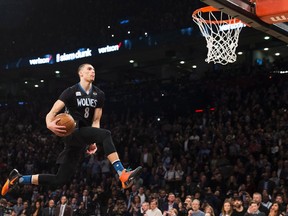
(68, 121)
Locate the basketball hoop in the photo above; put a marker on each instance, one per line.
(221, 32)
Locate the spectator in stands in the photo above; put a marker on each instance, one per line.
(135, 206)
(50, 209)
(257, 197)
(209, 211)
(171, 212)
(170, 203)
(275, 210)
(26, 209)
(280, 200)
(266, 199)
(63, 208)
(153, 210)
(18, 206)
(146, 158)
(37, 209)
(238, 208)
(162, 199)
(120, 207)
(3, 206)
(195, 211)
(253, 209)
(227, 208)
(144, 209)
(86, 199)
(142, 195)
(266, 183)
(74, 205)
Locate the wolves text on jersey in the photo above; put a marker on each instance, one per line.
(86, 102)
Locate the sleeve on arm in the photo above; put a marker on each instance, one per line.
(101, 100)
(65, 95)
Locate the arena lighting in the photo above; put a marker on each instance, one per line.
(108, 26)
(128, 32)
(199, 110)
(186, 31)
(131, 61)
(41, 81)
(277, 54)
(57, 72)
(26, 82)
(280, 72)
(266, 49)
(240, 53)
(36, 86)
(125, 21)
(182, 62)
(266, 37)
(194, 66)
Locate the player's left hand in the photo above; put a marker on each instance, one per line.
(92, 148)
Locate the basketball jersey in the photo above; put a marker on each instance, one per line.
(80, 105)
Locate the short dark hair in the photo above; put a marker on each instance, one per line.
(81, 66)
(252, 202)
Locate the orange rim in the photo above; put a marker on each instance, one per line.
(213, 9)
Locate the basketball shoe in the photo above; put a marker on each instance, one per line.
(11, 181)
(127, 177)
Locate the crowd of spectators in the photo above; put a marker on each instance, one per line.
(208, 146)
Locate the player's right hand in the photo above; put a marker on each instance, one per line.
(56, 129)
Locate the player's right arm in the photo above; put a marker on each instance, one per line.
(51, 122)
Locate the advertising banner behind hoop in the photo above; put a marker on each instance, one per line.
(271, 11)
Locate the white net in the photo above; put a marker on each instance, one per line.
(221, 35)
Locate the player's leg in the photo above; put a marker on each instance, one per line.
(99, 135)
(64, 174)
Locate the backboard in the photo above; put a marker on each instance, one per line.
(245, 10)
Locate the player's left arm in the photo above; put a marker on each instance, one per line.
(92, 148)
(97, 117)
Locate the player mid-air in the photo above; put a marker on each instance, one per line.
(84, 102)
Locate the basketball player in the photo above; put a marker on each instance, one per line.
(84, 101)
